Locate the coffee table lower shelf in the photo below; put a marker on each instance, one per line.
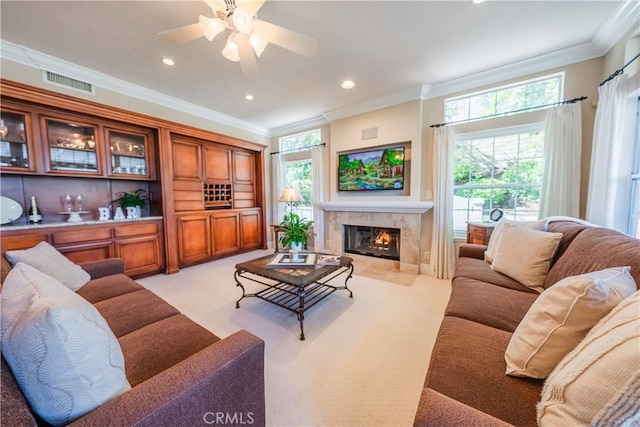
(293, 292)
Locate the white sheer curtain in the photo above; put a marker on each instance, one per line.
(443, 258)
(611, 158)
(278, 185)
(560, 194)
(317, 191)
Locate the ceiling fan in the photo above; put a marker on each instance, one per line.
(248, 35)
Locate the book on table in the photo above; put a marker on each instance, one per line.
(288, 260)
(328, 259)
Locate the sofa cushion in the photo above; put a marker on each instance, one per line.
(496, 237)
(561, 317)
(467, 364)
(61, 351)
(14, 408)
(480, 270)
(490, 305)
(598, 382)
(160, 345)
(525, 255)
(596, 249)
(134, 310)
(107, 287)
(47, 259)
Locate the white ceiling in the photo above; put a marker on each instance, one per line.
(386, 47)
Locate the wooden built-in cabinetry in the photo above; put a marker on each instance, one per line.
(139, 243)
(207, 188)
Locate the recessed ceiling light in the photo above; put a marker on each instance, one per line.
(168, 61)
(348, 84)
(477, 1)
(249, 97)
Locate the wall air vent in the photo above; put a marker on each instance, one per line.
(69, 82)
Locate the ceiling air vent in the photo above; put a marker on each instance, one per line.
(60, 80)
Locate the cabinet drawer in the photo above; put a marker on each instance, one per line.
(136, 230)
(474, 229)
(76, 236)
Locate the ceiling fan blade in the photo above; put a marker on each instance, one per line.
(247, 58)
(285, 38)
(251, 6)
(182, 34)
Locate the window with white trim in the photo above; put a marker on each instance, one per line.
(298, 167)
(504, 100)
(500, 167)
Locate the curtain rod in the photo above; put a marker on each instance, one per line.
(293, 150)
(570, 101)
(620, 71)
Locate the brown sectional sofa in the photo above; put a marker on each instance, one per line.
(180, 373)
(466, 382)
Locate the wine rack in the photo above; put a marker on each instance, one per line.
(216, 195)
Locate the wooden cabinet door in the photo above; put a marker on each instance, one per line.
(244, 195)
(250, 230)
(217, 164)
(225, 229)
(187, 160)
(141, 255)
(88, 252)
(194, 238)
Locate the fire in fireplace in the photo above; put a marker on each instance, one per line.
(381, 242)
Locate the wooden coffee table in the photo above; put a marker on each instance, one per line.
(295, 289)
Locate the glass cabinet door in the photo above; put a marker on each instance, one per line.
(15, 151)
(72, 147)
(129, 154)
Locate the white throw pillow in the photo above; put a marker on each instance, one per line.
(525, 255)
(598, 382)
(561, 317)
(496, 236)
(60, 349)
(51, 262)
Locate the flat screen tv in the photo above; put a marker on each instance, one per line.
(381, 169)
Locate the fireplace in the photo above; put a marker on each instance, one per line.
(382, 242)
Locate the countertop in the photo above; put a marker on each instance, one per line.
(21, 225)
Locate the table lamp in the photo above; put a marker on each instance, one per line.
(291, 196)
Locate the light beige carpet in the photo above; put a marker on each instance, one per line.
(364, 359)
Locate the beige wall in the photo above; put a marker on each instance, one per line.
(398, 123)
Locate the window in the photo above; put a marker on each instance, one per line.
(499, 168)
(298, 167)
(505, 99)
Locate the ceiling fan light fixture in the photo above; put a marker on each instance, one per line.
(230, 50)
(211, 27)
(258, 44)
(242, 21)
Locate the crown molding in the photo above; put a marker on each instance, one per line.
(301, 126)
(42, 61)
(625, 18)
(406, 95)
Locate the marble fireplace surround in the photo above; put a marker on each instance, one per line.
(407, 216)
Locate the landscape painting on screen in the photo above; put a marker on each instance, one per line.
(381, 169)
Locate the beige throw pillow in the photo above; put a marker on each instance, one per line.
(525, 255)
(561, 317)
(598, 382)
(496, 236)
(60, 349)
(51, 262)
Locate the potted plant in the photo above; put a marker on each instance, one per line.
(137, 199)
(295, 231)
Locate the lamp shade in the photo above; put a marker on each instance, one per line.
(290, 194)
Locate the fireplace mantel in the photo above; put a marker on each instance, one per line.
(377, 206)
